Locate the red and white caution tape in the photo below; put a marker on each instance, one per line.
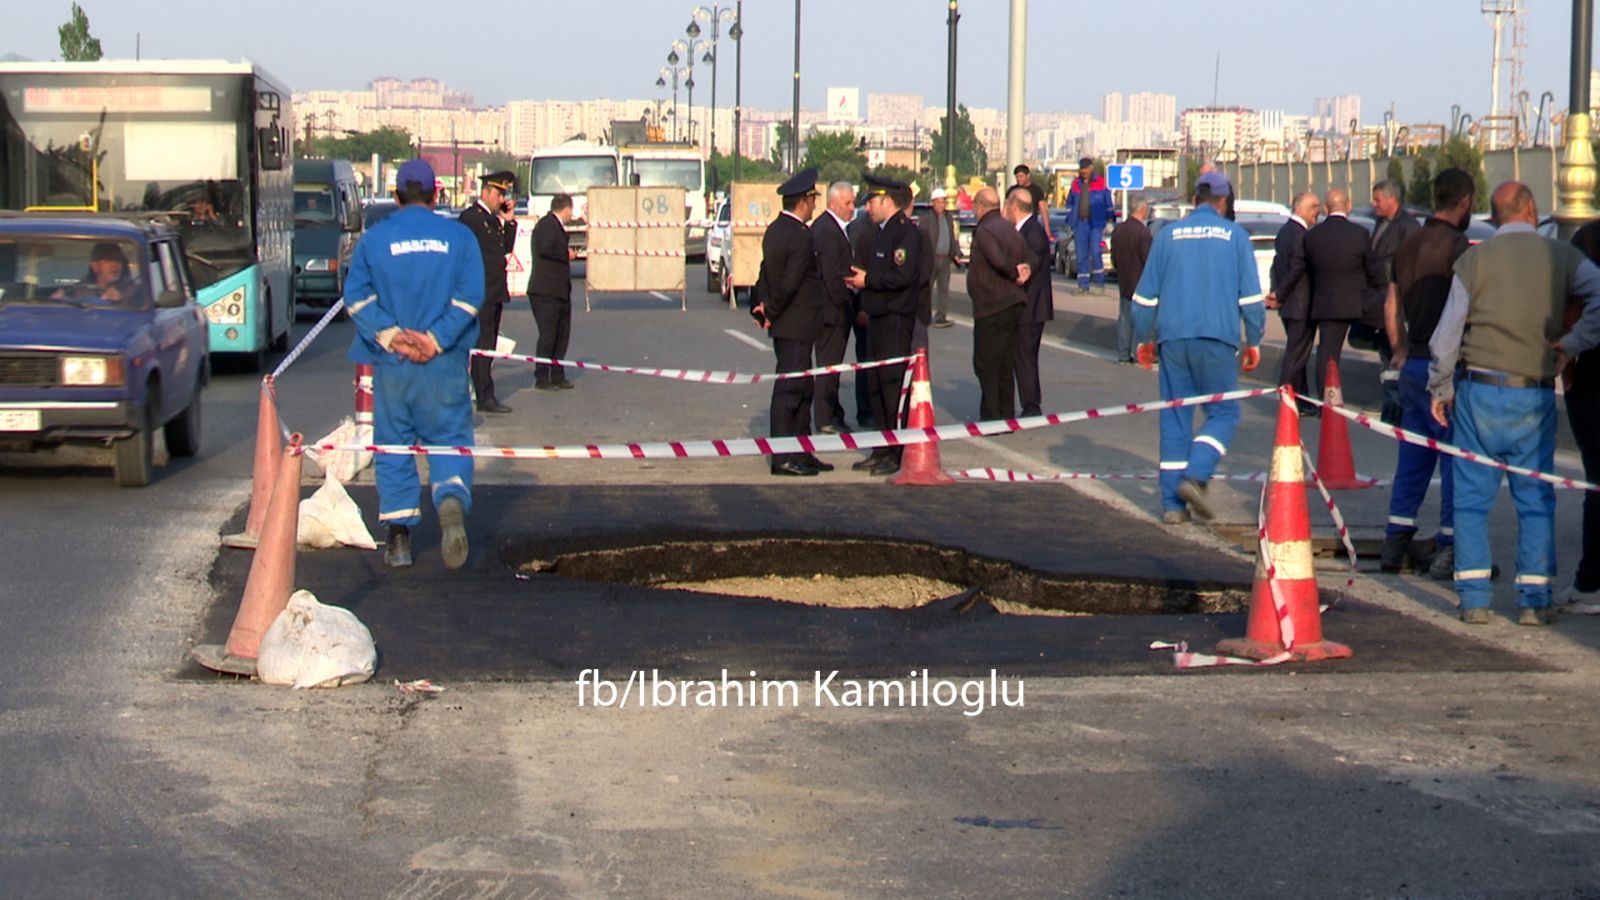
(863, 440)
(698, 376)
(596, 251)
(1422, 440)
(691, 223)
(305, 342)
(1338, 517)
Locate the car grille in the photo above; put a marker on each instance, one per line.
(32, 369)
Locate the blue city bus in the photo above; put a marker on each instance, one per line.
(203, 143)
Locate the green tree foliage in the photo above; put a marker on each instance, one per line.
(970, 157)
(900, 173)
(780, 147)
(749, 170)
(1463, 154)
(837, 156)
(501, 161)
(77, 44)
(388, 142)
(1419, 192)
(1396, 172)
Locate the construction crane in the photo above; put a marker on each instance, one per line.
(1500, 10)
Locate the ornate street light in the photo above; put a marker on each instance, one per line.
(715, 16)
(1577, 179)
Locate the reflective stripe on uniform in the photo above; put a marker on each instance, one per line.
(1253, 298)
(398, 514)
(464, 306)
(1473, 574)
(1144, 301)
(359, 305)
(1213, 443)
(1178, 466)
(1410, 523)
(1533, 579)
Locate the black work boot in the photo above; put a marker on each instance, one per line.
(1396, 553)
(397, 554)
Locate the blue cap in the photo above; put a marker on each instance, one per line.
(804, 182)
(1215, 182)
(416, 170)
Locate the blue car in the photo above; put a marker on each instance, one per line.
(101, 341)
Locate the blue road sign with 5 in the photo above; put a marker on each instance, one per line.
(1125, 178)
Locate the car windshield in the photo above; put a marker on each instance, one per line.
(659, 172)
(573, 174)
(313, 204)
(80, 271)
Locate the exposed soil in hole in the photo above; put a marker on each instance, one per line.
(848, 572)
(838, 592)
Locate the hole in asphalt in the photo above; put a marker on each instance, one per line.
(866, 573)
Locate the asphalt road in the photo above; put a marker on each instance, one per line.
(125, 776)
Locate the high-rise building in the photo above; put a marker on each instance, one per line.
(1222, 131)
(894, 109)
(1111, 108)
(1155, 111)
(1336, 113)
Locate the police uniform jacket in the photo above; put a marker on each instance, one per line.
(793, 295)
(894, 269)
(418, 271)
(496, 240)
(552, 271)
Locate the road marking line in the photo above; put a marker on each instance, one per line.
(663, 297)
(741, 336)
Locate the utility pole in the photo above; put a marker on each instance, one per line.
(738, 80)
(1577, 177)
(950, 105)
(1016, 84)
(794, 122)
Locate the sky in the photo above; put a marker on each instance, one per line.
(1421, 55)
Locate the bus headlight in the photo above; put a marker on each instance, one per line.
(228, 310)
(91, 371)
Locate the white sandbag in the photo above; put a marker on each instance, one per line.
(312, 645)
(344, 464)
(329, 518)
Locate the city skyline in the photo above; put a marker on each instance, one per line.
(588, 60)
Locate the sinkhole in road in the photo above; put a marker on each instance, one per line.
(866, 573)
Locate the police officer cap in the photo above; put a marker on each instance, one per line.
(503, 181)
(804, 182)
(878, 186)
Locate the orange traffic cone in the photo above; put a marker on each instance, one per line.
(1297, 627)
(266, 591)
(269, 446)
(1334, 461)
(920, 463)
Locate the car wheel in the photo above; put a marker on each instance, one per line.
(134, 462)
(183, 433)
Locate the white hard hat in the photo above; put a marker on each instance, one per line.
(938, 194)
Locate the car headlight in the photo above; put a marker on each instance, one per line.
(319, 265)
(91, 371)
(228, 310)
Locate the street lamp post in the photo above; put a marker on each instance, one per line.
(673, 58)
(794, 121)
(737, 33)
(671, 73)
(1577, 179)
(950, 105)
(714, 16)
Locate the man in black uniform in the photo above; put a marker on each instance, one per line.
(891, 291)
(550, 292)
(491, 221)
(790, 308)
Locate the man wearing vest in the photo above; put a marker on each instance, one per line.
(1504, 312)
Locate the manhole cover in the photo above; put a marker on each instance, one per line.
(867, 573)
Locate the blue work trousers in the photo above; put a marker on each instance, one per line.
(1086, 244)
(1414, 469)
(1516, 426)
(1125, 346)
(421, 404)
(1190, 368)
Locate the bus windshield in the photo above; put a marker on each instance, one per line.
(129, 143)
(573, 174)
(667, 172)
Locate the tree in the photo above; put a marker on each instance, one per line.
(1465, 155)
(902, 174)
(780, 146)
(501, 161)
(749, 169)
(1420, 191)
(77, 44)
(970, 157)
(1396, 172)
(836, 155)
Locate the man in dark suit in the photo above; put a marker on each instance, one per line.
(891, 290)
(1342, 270)
(834, 257)
(1130, 250)
(1039, 309)
(1290, 294)
(790, 307)
(861, 232)
(994, 281)
(550, 291)
(491, 221)
(940, 226)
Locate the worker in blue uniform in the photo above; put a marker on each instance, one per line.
(415, 286)
(1198, 284)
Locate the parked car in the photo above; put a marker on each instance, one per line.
(375, 211)
(101, 341)
(1263, 230)
(719, 245)
(1067, 251)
